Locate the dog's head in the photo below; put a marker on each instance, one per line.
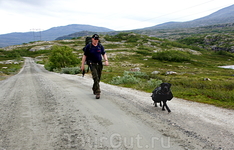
(165, 88)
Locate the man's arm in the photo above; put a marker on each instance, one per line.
(83, 63)
(106, 59)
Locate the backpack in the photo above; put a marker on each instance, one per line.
(88, 40)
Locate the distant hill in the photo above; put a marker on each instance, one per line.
(225, 15)
(47, 35)
(84, 33)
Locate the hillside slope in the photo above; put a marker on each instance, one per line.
(225, 15)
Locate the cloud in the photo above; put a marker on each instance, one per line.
(29, 2)
(22, 15)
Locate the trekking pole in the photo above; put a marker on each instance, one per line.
(83, 73)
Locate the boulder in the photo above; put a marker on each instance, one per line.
(135, 69)
(155, 72)
(171, 73)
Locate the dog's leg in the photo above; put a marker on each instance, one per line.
(160, 104)
(163, 109)
(155, 104)
(165, 104)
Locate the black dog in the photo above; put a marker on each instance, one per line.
(162, 94)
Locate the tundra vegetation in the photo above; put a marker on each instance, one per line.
(143, 62)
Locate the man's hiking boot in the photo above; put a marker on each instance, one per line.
(97, 96)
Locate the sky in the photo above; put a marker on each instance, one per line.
(119, 15)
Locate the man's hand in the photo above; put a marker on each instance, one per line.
(106, 63)
(82, 67)
(83, 70)
(106, 59)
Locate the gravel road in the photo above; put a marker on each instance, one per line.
(41, 110)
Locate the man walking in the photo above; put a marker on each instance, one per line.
(93, 53)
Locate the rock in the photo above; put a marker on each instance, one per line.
(37, 48)
(155, 72)
(135, 69)
(8, 62)
(170, 72)
(207, 79)
(232, 49)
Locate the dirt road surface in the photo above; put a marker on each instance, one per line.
(41, 110)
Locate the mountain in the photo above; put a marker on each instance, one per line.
(225, 15)
(84, 33)
(47, 35)
(76, 34)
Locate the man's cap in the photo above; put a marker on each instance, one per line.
(95, 36)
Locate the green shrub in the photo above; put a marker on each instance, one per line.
(129, 37)
(49, 66)
(111, 46)
(73, 70)
(144, 50)
(144, 53)
(125, 79)
(192, 40)
(136, 77)
(224, 53)
(61, 57)
(172, 55)
(119, 37)
(137, 80)
(137, 74)
(153, 83)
